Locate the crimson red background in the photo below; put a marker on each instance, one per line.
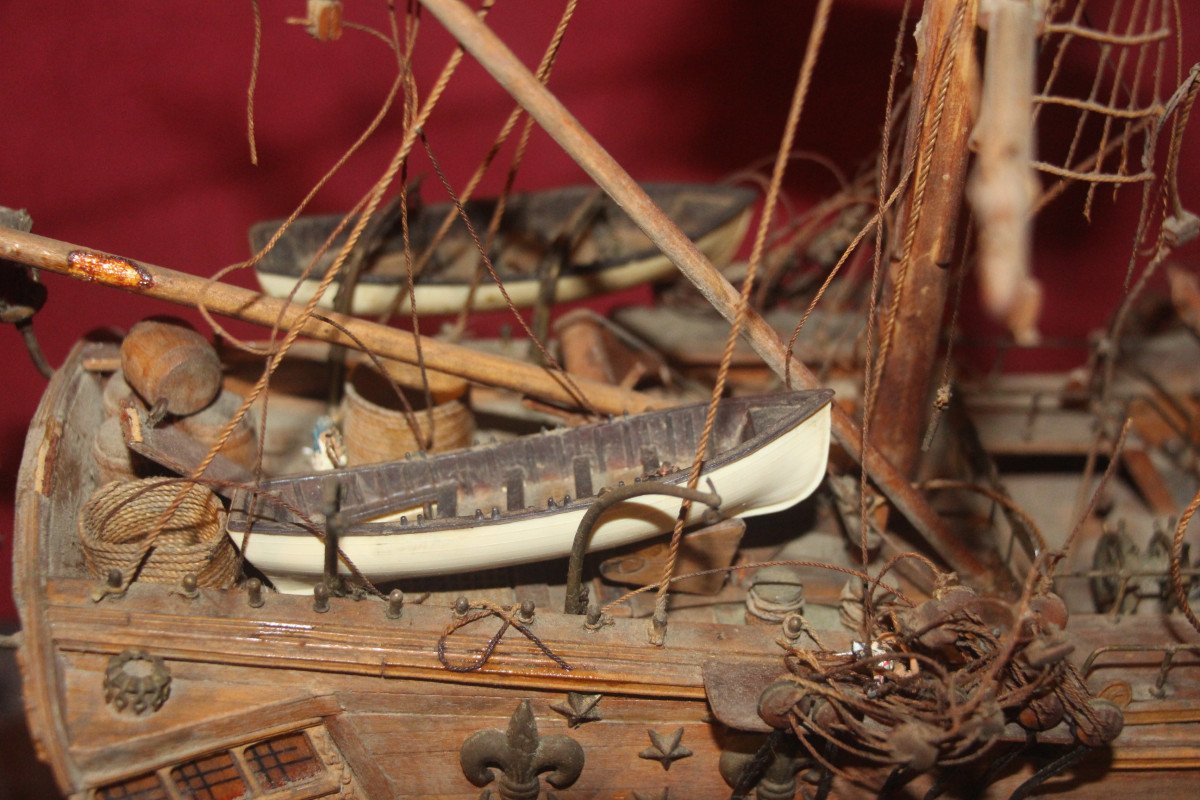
(123, 129)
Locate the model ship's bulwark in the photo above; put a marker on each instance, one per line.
(521, 501)
(604, 251)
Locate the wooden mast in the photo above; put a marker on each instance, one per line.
(914, 300)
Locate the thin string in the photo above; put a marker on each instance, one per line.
(270, 245)
(943, 66)
(510, 617)
(875, 220)
(815, 39)
(553, 368)
(1118, 77)
(1083, 170)
(410, 107)
(373, 200)
(410, 416)
(1070, 31)
(1186, 95)
(942, 400)
(1181, 591)
(254, 60)
(872, 305)
(545, 67)
(1101, 65)
(936, 484)
(1155, 96)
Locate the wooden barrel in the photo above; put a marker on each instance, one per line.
(375, 427)
(114, 461)
(116, 393)
(166, 360)
(206, 427)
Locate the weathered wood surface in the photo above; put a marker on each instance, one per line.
(402, 737)
(355, 637)
(37, 655)
(940, 118)
(289, 650)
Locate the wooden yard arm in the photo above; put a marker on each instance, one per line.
(245, 304)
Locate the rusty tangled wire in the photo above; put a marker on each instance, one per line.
(938, 682)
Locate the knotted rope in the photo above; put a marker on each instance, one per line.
(510, 617)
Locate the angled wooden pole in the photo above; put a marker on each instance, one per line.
(244, 304)
(478, 40)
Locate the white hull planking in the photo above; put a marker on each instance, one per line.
(449, 298)
(773, 478)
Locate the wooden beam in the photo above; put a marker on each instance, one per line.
(478, 40)
(914, 296)
(244, 304)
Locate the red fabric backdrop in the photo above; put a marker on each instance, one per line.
(124, 130)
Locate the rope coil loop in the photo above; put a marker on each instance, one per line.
(115, 528)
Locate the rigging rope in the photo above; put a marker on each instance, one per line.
(545, 67)
(815, 39)
(560, 375)
(371, 203)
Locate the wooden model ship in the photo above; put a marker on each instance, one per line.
(205, 616)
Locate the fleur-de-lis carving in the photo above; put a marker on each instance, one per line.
(521, 755)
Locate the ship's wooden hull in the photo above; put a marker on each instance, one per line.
(381, 716)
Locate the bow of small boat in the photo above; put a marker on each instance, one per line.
(788, 463)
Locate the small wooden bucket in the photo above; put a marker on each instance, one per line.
(375, 427)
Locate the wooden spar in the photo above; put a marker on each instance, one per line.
(244, 304)
(915, 293)
(478, 40)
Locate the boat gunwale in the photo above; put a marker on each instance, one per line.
(275, 264)
(813, 401)
(37, 655)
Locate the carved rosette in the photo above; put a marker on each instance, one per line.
(137, 682)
